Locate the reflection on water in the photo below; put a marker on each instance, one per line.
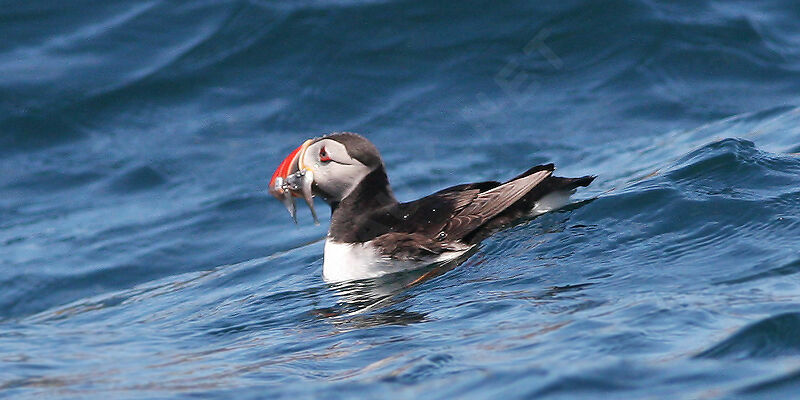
(373, 302)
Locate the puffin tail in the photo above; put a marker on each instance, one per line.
(550, 194)
(558, 183)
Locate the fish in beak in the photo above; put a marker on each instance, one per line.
(292, 179)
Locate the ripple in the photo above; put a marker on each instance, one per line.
(784, 386)
(137, 179)
(734, 169)
(772, 337)
(765, 272)
(419, 369)
(56, 180)
(37, 128)
(595, 383)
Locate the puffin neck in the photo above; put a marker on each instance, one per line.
(371, 193)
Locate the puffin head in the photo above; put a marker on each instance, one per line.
(329, 167)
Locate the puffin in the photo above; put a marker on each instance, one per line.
(372, 234)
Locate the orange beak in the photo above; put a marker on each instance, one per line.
(292, 179)
(289, 165)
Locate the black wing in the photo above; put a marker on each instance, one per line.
(414, 246)
(429, 215)
(456, 213)
(452, 213)
(489, 204)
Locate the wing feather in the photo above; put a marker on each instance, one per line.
(490, 203)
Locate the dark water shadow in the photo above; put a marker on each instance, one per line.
(772, 337)
(787, 269)
(784, 386)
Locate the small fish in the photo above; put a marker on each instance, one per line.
(300, 181)
(308, 179)
(280, 190)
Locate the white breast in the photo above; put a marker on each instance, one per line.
(351, 261)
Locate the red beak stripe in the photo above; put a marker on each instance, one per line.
(283, 168)
(286, 167)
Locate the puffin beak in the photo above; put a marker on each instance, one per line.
(292, 179)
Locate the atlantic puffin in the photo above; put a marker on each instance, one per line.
(372, 234)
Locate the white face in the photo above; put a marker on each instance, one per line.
(336, 173)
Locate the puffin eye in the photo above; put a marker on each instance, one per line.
(323, 154)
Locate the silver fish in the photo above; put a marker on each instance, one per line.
(285, 197)
(301, 181)
(308, 179)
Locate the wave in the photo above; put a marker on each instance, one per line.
(771, 337)
(315, 55)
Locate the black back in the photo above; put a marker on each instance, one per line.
(371, 210)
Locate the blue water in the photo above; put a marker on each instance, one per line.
(140, 256)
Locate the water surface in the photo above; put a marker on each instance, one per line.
(142, 258)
